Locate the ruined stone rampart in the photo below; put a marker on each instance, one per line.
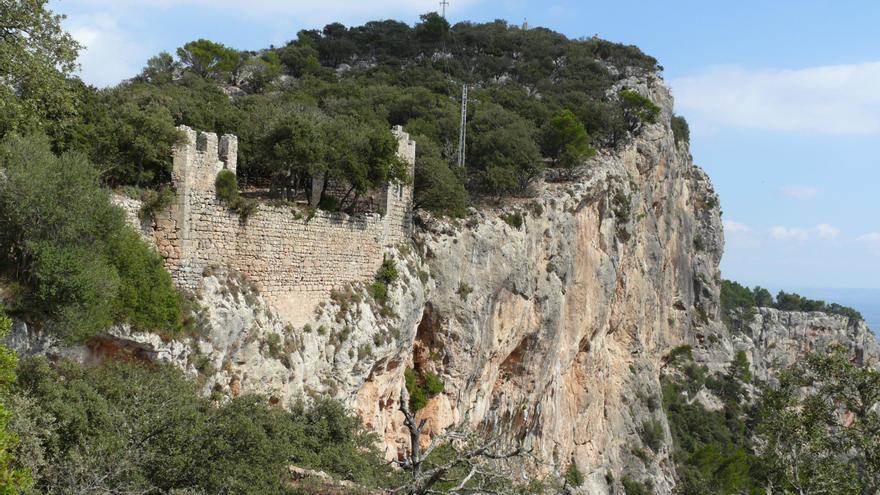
(295, 260)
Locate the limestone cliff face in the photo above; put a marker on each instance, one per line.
(547, 318)
(773, 339)
(553, 332)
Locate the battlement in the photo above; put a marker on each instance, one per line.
(201, 156)
(296, 260)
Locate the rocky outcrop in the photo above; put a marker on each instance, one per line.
(774, 339)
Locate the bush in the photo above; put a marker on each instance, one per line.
(514, 219)
(433, 384)
(421, 387)
(573, 476)
(437, 186)
(680, 129)
(82, 266)
(379, 291)
(155, 201)
(227, 187)
(147, 430)
(387, 272)
(638, 109)
(634, 487)
(418, 396)
(652, 434)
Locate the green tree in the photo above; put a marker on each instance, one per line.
(295, 150)
(502, 152)
(364, 156)
(437, 187)
(208, 59)
(639, 110)
(819, 430)
(129, 427)
(681, 132)
(13, 478)
(160, 69)
(36, 59)
(432, 29)
(566, 140)
(763, 298)
(263, 71)
(83, 266)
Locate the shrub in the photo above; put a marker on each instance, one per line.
(638, 109)
(642, 454)
(680, 129)
(227, 187)
(153, 202)
(379, 292)
(433, 383)
(464, 290)
(652, 434)
(683, 351)
(634, 487)
(515, 219)
(421, 387)
(418, 396)
(273, 343)
(387, 272)
(573, 476)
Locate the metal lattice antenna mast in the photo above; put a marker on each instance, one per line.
(443, 5)
(462, 132)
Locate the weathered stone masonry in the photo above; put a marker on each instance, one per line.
(295, 261)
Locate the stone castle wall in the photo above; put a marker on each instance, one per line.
(295, 261)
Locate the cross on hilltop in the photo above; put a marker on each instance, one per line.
(443, 5)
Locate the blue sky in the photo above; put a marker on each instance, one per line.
(782, 98)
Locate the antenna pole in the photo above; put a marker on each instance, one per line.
(462, 132)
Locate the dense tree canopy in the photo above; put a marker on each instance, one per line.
(36, 59)
(126, 427)
(315, 108)
(75, 259)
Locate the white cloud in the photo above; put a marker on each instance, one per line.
(781, 233)
(833, 99)
(871, 240)
(800, 192)
(113, 54)
(822, 231)
(734, 227)
(312, 12)
(108, 54)
(827, 231)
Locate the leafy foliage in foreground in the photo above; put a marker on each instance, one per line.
(74, 258)
(816, 431)
(819, 431)
(13, 477)
(125, 427)
(36, 59)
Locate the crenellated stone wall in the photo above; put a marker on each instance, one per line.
(294, 259)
